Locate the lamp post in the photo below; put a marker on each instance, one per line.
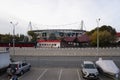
(98, 20)
(13, 36)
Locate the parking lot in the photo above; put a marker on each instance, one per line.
(57, 68)
(54, 74)
(61, 65)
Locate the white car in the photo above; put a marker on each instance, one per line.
(89, 70)
(18, 68)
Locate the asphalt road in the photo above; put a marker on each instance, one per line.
(57, 67)
(61, 61)
(54, 74)
(57, 74)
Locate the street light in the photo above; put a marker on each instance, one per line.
(98, 20)
(13, 36)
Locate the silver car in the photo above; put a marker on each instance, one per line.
(18, 68)
(89, 70)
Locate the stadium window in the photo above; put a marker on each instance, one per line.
(61, 34)
(44, 34)
(68, 34)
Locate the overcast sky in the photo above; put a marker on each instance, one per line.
(48, 14)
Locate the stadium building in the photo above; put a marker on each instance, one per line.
(61, 38)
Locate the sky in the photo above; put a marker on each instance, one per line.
(57, 14)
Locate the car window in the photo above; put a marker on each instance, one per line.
(13, 65)
(89, 66)
(19, 66)
(23, 64)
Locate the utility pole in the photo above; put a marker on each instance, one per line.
(98, 20)
(13, 36)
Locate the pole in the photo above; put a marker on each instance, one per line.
(14, 39)
(13, 36)
(98, 35)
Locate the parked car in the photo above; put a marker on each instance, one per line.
(18, 68)
(89, 70)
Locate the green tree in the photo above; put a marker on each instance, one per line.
(5, 38)
(21, 38)
(106, 36)
(93, 38)
(31, 33)
(34, 36)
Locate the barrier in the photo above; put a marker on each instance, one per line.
(65, 51)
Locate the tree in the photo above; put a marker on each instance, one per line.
(108, 28)
(5, 38)
(31, 33)
(21, 38)
(93, 38)
(34, 36)
(106, 36)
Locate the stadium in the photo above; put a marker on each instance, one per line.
(61, 38)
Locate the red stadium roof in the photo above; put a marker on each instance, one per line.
(83, 38)
(69, 39)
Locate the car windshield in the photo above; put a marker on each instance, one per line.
(13, 65)
(89, 66)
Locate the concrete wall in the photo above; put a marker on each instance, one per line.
(65, 51)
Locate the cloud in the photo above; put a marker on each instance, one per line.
(60, 12)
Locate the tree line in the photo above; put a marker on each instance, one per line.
(106, 35)
(8, 38)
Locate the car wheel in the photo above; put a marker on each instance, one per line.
(29, 69)
(21, 73)
(12, 71)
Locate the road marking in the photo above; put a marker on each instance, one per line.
(20, 77)
(60, 74)
(42, 74)
(79, 78)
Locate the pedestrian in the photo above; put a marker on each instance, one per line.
(14, 77)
